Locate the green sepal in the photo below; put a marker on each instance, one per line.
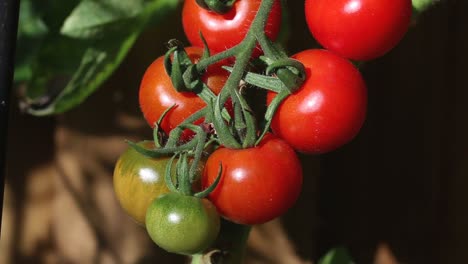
(238, 126)
(174, 137)
(222, 130)
(247, 114)
(168, 175)
(217, 6)
(157, 131)
(206, 49)
(262, 81)
(183, 176)
(211, 188)
(290, 71)
(161, 152)
(167, 59)
(183, 73)
(192, 80)
(270, 112)
(201, 140)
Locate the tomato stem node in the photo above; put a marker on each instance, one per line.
(218, 6)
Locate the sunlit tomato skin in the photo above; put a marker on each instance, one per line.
(157, 94)
(225, 31)
(138, 180)
(358, 29)
(328, 110)
(257, 184)
(182, 224)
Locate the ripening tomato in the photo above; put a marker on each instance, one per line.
(358, 29)
(329, 108)
(138, 180)
(182, 224)
(227, 30)
(257, 184)
(157, 94)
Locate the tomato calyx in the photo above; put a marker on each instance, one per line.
(217, 6)
(291, 72)
(242, 132)
(184, 75)
(283, 76)
(188, 155)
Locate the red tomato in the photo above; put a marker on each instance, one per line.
(258, 184)
(328, 110)
(358, 29)
(225, 31)
(158, 94)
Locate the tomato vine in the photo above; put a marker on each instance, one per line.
(316, 103)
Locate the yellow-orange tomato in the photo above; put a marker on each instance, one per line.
(138, 180)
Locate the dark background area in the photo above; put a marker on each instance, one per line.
(403, 180)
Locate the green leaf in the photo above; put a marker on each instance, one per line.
(93, 18)
(67, 70)
(96, 65)
(31, 32)
(336, 256)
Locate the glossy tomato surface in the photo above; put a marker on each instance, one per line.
(328, 110)
(138, 180)
(257, 184)
(182, 224)
(358, 29)
(225, 31)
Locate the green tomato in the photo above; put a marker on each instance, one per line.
(138, 180)
(182, 224)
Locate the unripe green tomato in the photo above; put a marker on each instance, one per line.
(138, 180)
(182, 224)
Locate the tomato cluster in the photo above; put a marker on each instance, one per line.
(316, 99)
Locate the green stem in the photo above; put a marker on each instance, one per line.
(198, 259)
(245, 50)
(237, 235)
(204, 63)
(183, 175)
(232, 241)
(198, 152)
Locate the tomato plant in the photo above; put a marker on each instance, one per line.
(317, 101)
(257, 184)
(329, 108)
(182, 224)
(157, 94)
(358, 29)
(138, 180)
(223, 31)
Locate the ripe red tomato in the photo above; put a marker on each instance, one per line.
(329, 108)
(225, 31)
(157, 94)
(258, 184)
(358, 29)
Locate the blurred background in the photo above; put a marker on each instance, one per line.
(396, 194)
